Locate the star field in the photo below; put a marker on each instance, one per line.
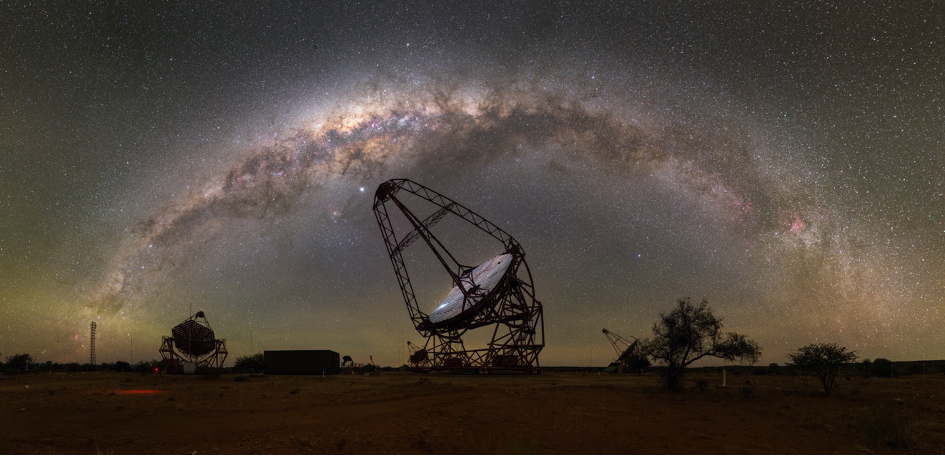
(784, 161)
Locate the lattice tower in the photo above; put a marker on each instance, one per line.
(92, 345)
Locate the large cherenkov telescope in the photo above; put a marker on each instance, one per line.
(193, 344)
(497, 293)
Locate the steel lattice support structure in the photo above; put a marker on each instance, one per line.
(419, 358)
(92, 345)
(193, 341)
(510, 308)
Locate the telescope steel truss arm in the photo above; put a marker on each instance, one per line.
(387, 192)
(624, 354)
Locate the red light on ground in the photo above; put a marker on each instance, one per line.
(123, 392)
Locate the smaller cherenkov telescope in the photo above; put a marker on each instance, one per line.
(625, 350)
(192, 343)
(497, 293)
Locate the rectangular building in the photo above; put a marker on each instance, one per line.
(302, 362)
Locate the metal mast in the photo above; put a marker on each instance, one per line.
(92, 345)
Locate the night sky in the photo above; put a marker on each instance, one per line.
(785, 161)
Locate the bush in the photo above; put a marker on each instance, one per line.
(251, 363)
(18, 361)
(883, 368)
(702, 385)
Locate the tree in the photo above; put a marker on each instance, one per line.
(639, 362)
(252, 363)
(690, 333)
(19, 361)
(822, 361)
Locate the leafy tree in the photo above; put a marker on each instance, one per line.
(639, 361)
(822, 361)
(19, 361)
(252, 363)
(690, 333)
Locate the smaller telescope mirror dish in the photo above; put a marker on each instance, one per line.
(479, 282)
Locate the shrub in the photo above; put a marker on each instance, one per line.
(251, 363)
(883, 368)
(18, 361)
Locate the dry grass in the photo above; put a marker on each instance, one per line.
(892, 427)
(551, 413)
(529, 444)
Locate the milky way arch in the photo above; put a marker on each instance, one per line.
(719, 166)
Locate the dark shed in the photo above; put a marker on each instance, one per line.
(302, 362)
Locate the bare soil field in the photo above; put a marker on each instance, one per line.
(114, 413)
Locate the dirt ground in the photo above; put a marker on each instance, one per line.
(114, 413)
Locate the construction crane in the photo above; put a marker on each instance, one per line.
(625, 350)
